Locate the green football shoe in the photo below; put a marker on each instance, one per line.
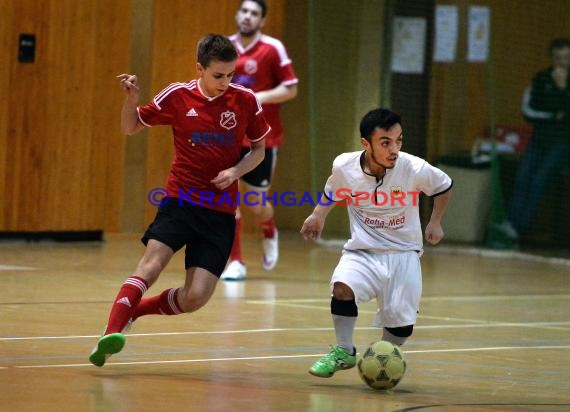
(107, 346)
(337, 359)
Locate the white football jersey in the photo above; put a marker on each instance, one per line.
(384, 215)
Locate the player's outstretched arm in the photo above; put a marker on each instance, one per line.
(434, 231)
(279, 94)
(315, 223)
(130, 123)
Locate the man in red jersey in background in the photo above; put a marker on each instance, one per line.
(209, 118)
(264, 67)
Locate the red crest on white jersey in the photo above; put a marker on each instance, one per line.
(396, 191)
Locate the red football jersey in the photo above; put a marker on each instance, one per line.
(264, 65)
(208, 134)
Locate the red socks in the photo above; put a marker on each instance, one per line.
(268, 227)
(164, 304)
(129, 304)
(127, 300)
(235, 254)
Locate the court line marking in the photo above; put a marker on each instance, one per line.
(337, 244)
(543, 325)
(494, 324)
(429, 298)
(483, 298)
(16, 267)
(480, 324)
(250, 358)
(501, 254)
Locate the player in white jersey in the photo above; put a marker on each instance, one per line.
(380, 187)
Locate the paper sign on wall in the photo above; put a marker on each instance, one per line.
(408, 45)
(446, 31)
(478, 38)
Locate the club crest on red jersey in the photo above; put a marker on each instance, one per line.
(250, 66)
(228, 120)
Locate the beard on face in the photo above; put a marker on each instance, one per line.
(373, 156)
(248, 30)
(248, 33)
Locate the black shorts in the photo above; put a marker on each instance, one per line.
(260, 177)
(207, 234)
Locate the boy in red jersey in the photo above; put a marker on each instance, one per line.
(209, 118)
(264, 67)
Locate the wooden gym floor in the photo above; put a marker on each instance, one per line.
(493, 335)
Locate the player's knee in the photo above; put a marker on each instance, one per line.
(190, 303)
(344, 307)
(342, 291)
(401, 332)
(192, 299)
(397, 336)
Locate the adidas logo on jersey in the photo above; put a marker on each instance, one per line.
(192, 113)
(125, 301)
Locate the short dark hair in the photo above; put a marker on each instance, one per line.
(557, 44)
(381, 118)
(215, 47)
(261, 4)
